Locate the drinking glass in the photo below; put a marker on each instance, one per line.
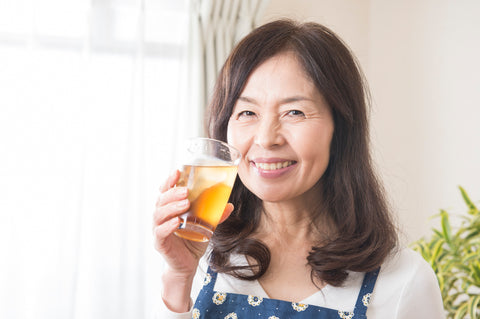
(209, 169)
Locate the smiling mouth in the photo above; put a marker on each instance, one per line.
(274, 166)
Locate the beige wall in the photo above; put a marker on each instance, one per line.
(422, 60)
(348, 18)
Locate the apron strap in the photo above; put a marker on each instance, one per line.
(365, 293)
(210, 278)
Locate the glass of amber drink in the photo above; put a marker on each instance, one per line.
(209, 171)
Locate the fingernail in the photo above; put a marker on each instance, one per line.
(182, 191)
(174, 221)
(170, 182)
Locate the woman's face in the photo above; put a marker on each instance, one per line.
(283, 127)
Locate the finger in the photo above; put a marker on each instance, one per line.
(226, 212)
(171, 195)
(171, 181)
(163, 231)
(163, 213)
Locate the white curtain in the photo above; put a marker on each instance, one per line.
(88, 104)
(215, 27)
(94, 96)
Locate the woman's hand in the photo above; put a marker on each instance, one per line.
(181, 255)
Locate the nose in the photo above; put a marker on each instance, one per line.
(269, 133)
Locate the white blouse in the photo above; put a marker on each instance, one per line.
(406, 288)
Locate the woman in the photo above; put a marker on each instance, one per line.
(309, 234)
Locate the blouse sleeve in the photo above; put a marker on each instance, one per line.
(420, 297)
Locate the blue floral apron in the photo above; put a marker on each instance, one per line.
(220, 305)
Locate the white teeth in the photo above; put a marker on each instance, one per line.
(273, 166)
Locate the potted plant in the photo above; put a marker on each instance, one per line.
(454, 255)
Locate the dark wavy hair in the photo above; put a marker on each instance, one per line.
(351, 194)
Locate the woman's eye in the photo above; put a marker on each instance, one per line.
(246, 113)
(295, 113)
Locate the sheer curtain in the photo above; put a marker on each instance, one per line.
(88, 105)
(215, 27)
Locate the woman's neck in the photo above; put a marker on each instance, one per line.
(287, 223)
(295, 221)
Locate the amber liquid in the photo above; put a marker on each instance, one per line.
(209, 188)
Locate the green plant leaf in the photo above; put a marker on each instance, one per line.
(445, 222)
(442, 282)
(473, 304)
(437, 234)
(437, 249)
(468, 201)
(475, 271)
(473, 234)
(471, 257)
(460, 313)
(453, 251)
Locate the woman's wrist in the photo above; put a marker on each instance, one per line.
(176, 292)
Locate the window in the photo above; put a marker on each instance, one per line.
(89, 100)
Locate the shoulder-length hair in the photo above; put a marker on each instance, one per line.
(351, 194)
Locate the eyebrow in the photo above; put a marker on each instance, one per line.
(286, 100)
